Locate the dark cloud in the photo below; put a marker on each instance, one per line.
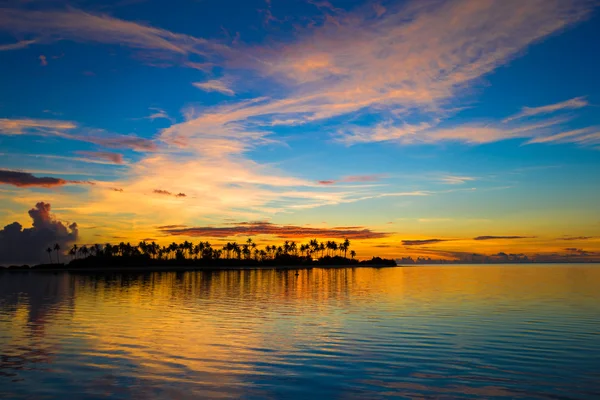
(18, 245)
(116, 189)
(576, 238)
(282, 231)
(25, 179)
(500, 237)
(171, 227)
(167, 193)
(103, 155)
(326, 182)
(421, 242)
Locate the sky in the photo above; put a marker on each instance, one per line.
(414, 128)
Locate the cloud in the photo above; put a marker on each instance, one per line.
(76, 25)
(70, 130)
(25, 179)
(43, 61)
(577, 102)
(215, 85)
(22, 126)
(115, 141)
(18, 245)
(167, 193)
(158, 113)
(116, 189)
(548, 130)
(576, 238)
(282, 231)
(588, 136)
(456, 180)
(422, 242)
(352, 179)
(500, 237)
(18, 45)
(115, 158)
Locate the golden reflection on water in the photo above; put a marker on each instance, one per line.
(219, 333)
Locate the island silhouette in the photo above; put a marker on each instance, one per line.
(189, 255)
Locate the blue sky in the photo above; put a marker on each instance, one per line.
(411, 120)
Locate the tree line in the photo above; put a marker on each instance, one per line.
(202, 250)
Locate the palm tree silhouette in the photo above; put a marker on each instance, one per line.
(346, 245)
(57, 248)
(49, 251)
(352, 254)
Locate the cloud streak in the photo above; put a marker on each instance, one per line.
(500, 237)
(215, 85)
(77, 25)
(422, 242)
(25, 179)
(114, 158)
(577, 102)
(281, 231)
(70, 130)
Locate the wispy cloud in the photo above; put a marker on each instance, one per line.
(115, 158)
(577, 102)
(215, 85)
(456, 180)
(70, 130)
(282, 231)
(158, 113)
(352, 179)
(422, 242)
(17, 45)
(76, 25)
(21, 126)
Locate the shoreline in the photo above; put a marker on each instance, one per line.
(184, 268)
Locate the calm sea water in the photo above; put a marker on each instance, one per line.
(425, 332)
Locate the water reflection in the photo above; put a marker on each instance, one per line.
(519, 332)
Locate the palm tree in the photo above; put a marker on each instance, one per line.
(352, 254)
(346, 246)
(74, 250)
(57, 248)
(84, 251)
(49, 251)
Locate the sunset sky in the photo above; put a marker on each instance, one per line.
(423, 128)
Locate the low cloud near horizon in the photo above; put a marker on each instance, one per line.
(18, 245)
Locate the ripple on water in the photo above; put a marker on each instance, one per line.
(443, 332)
